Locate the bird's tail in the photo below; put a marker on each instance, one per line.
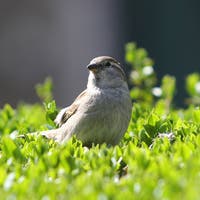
(55, 134)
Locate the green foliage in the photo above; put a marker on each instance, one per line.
(142, 166)
(168, 87)
(144, 85)
(158, 157)
(142, 76)
(51, 112)
(25, 118)
(168, 90)
(193, 88)
(44, 91)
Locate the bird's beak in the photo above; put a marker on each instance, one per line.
(93, 67)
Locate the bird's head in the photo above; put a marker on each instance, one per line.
(105, 72)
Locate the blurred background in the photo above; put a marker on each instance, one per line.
(59, 38)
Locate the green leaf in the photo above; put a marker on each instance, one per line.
(51, 112)
(191, 81)
(196, 115)
(168, 87)
(44, 91)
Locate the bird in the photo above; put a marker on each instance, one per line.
(102, 112)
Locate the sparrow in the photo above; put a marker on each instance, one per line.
(101, 113)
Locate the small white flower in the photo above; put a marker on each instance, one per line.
(134, 75)
(9, 181)
(116, 179)
(137, 187)
(21, 179)
(148, 70)
(157, 91)
(46, 197)
(169, 136)
(14, 135)
(197, 87)
(9, 161)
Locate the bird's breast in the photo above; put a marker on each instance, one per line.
(105, 118)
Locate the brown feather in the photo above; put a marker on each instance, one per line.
(71, 109)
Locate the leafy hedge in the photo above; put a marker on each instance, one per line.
(158, 158)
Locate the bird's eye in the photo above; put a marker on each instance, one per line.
(107, 64)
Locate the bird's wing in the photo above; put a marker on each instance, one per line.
(67, 112)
